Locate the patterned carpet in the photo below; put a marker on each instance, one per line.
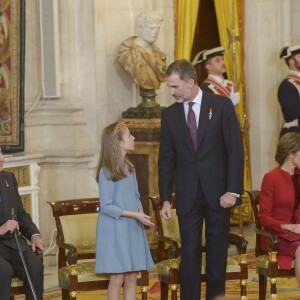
(287, 288)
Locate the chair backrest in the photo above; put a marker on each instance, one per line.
(254, 198)
(170, 227)
(76, 223)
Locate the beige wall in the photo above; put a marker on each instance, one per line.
(96, 90)
(269, 25)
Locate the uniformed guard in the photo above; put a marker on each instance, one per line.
(215, 82)
(289, 90)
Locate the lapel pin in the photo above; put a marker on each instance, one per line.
(6, 183)
(210, 113)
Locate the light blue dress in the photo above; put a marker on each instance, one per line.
(121, 244)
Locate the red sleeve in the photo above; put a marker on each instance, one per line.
(266, 202)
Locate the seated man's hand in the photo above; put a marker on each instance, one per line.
(9, 227)
(37, 241)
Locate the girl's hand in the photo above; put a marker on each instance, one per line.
(139, 215)
(144, 219)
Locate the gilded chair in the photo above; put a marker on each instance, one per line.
(76, 223)
(266, 263)
(168, 254)
(16, 288)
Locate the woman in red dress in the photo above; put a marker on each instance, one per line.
(279, 199)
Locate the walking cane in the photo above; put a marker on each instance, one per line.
(22, 258)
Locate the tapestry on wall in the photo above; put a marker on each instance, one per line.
(12, 36)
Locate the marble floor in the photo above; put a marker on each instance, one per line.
(50, 257)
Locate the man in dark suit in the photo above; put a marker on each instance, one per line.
(14, 217)
(207, 166)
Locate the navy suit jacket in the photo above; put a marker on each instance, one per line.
(218, 163)
(10, 198)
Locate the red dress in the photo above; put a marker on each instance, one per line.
(276, 204)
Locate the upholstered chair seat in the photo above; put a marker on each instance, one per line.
(16, 282)
(85, 273)
(16, 287)
(164, 267)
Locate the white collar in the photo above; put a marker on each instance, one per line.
(216, 78)
(197, 99)
(295, 73)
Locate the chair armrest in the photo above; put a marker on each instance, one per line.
(71, 251)
(272, 242)
(239, 241)
(173, 250)
(38, 252)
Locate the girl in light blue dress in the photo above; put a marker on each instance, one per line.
(122, 247)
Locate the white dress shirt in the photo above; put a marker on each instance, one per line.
(196, 107)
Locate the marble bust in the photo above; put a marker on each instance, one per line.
(144, 61)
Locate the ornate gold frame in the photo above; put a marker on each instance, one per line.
(12, 48)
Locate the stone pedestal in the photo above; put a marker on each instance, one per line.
(145, 157)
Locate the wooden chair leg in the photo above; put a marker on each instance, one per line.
(65, 294)
(144, 290)
(73, 295)
(241, 224)
(262, 287)
(174, 288)
(273, 282)
(164, 289)
(243, 288)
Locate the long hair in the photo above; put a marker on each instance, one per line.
(110, 155)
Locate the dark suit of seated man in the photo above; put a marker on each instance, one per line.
(14, 217)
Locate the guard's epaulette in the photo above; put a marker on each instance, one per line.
(295, 80)
(218, 88)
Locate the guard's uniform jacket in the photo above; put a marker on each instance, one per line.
(289, 99)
